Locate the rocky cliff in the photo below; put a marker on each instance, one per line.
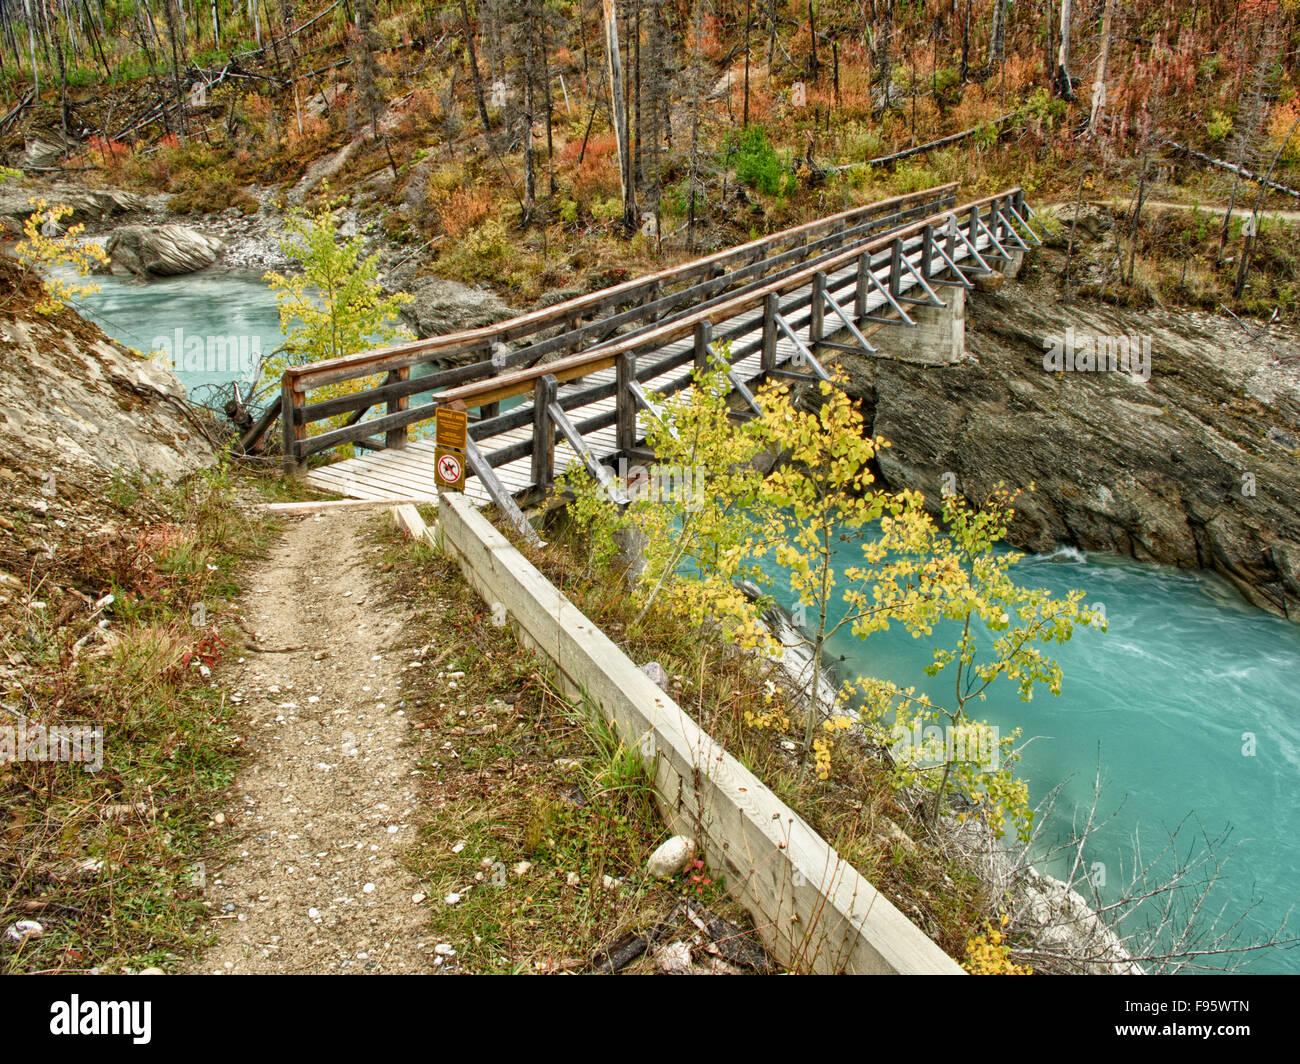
(1194, 466)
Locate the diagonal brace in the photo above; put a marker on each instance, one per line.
(959, 280)
(601, 474)
(999, 251)
(848, 324)
(889, 297)
(505, 502)
(1028, 228)
(802, 351)
(975, 252)
(932, 299)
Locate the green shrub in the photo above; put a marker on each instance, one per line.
(1043, 106)
(756, 162)
(607, 210)
(863, 144)
(482, 254)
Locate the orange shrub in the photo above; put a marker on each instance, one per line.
(974, 108)
(461, 209)
(760, 104)
(1279, 125)
(597, 177)
(855, 85)
(1021, 72)
(111, 150)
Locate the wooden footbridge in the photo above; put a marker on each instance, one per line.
(575, 382)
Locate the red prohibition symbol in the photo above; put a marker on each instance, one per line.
(449, 469)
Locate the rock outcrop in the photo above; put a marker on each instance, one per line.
(440, 306)
(74, 405)
(43, 149)
(160, 251)
(1195, 466)
(89, 205)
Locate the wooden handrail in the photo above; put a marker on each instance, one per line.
(520, 382)
(703, 292)
(365, 363)
(496, 384)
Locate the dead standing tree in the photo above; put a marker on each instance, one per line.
(370, 100)
(1252, 109)
(1144, 104)
(618, 115)
(1103, 60)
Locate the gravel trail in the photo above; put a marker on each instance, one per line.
(314, 879)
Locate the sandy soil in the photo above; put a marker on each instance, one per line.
(313, 879)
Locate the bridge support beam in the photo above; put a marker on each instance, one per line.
(939, 338)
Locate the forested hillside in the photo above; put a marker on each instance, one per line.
(499, 132)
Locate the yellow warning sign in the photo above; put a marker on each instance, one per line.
(452, 429)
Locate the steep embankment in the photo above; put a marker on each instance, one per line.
(76, 410)
(1194, 467)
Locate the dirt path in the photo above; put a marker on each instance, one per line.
(1268, 213)
(314, 879)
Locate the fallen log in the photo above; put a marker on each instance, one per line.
(942, 142)
(18, 109)
(1232, 168)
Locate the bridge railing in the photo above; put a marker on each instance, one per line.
(937, 250)
(562, 329)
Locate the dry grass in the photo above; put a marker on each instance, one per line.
(534, 813)
(103, 861)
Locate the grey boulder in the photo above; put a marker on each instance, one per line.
(161, 251)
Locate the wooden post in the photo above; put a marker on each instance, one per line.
(291, 403)
(703, 337)
(896, 267)
(543, 433)
(771, 308)
(490, 410)
(860, 297)
(624, 375)
(817, 320)
(927, 250)
(396, 438)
